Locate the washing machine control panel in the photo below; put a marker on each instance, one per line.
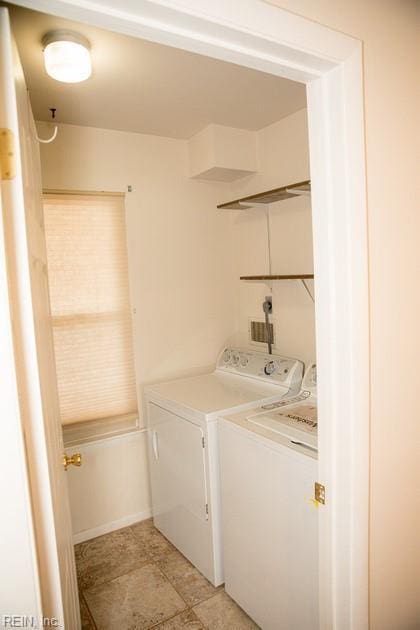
(269, 367)
(310, 379)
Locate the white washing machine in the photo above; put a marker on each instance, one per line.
(183, 445)
(268, 461)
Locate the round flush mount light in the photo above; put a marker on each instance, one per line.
(67, 56)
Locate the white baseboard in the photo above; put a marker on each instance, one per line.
(87, 534)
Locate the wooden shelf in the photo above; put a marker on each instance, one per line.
(305, 276)
(269, 196)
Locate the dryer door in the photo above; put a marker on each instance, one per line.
(179, 488)
(177, 465)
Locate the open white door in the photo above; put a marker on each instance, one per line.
(23, 237)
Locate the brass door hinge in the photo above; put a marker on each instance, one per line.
(319, 493)
(7, 154)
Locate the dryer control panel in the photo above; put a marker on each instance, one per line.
(268, 367)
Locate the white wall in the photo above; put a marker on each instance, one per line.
(389, 31)
(178, 245)
(283, 159)
(181, 279)
(185, 259)
(111, 489)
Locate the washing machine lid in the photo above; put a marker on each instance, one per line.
(215, 393)
(297, 422)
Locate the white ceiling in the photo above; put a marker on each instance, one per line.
(149, 88)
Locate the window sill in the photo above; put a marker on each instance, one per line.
(100, 429)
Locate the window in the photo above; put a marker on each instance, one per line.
(90, 306)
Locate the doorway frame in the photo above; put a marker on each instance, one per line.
(264, 37)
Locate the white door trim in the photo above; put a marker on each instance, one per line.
(256, 34)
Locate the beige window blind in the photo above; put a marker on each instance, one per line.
(89, 292)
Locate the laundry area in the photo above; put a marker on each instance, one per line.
(176, 214)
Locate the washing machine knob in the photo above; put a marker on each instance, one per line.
(270, 367)
(226, 356)
(235, 358)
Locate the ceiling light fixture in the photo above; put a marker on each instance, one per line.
(67, 56)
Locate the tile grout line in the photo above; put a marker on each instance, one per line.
(205, 599)
(146, 564)
(152, 562)
(173, 617)
(91, 617)
(169, 579)
(171, 584)
(187, 609)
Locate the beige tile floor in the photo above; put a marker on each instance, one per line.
(134, 579)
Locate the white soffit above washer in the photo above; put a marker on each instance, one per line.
(144, 87)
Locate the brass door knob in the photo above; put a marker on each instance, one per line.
(74, 460)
